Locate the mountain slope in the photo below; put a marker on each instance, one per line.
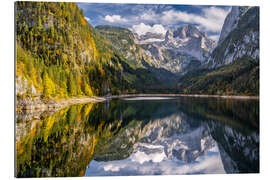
(238, 78)
(233, 67)
(243, 40)
(59, 55)
(231, 21)
(124, 40)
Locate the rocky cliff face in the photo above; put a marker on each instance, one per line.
(230, 23)
(239, 37)
(22, 86)
(180, 48)
(149, 37)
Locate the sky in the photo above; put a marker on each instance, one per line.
(143, 18)
(140, 163)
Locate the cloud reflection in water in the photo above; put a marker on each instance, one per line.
(157, 164)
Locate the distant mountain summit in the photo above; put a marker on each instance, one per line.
(189, 40)
(180, 48)
(178, 51)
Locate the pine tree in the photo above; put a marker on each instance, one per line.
(39, 24)
(71, 85)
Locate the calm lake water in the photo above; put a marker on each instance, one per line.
(140, 136)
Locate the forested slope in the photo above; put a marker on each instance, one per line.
(59, 55)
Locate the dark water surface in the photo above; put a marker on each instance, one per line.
(140, 136)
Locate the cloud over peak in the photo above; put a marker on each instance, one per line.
(156, 17)
(142, 28)
(115, 19)
(211, 19)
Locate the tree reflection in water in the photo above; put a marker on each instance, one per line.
(64, 143)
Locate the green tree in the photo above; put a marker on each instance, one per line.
(71, 85)
(39, 23)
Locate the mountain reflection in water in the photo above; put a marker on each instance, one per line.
(181, 135)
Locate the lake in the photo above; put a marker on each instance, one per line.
(140, 136)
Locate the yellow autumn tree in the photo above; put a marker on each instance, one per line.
(48, 85)
(93, 47)
(87, 90)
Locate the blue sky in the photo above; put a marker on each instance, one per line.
(142, 18)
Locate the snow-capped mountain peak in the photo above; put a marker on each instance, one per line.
(178, 48)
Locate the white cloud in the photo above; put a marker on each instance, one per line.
(215, 13)
(142, 28)
(142, 157)
(87, 19)
(216, 16)
(113, 168)
(209, 163)
(115, 19)
(211, 18)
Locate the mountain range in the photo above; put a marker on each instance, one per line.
(180, 48)
(233, 66)
(60, 55)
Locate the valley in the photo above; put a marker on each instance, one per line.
(59, 55)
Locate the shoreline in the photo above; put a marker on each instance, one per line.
(187, 95)
(60, 104)
(56, 105)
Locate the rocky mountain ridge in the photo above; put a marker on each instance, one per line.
(233, 66)
(148, 37)
(231, 21)
(179, 49)
(239, 37)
